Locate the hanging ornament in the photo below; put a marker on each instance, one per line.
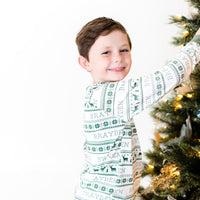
(169, 197)
(198, 113)
(186, 130)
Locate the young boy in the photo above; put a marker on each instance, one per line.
(113, 159)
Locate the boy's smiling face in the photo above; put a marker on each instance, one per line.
(109, 58)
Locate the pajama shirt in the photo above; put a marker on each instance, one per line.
(113, 158)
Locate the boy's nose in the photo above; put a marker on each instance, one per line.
(117, 58)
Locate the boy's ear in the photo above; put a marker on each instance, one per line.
(84, 63)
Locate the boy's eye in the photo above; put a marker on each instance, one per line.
(124, 50)
(106, 52)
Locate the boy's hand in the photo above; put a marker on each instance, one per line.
(198, 32)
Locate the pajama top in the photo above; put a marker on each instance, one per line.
(113, 158)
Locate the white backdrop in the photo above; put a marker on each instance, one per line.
(42, 86)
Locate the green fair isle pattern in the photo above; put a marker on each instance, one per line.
(113, 158)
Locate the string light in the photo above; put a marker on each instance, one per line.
(150, 167)
(177, 173)
(184, 24)
(179, 97)
(178, 17)
(177, 106)
(172, 186)
(185, 34)
(196, 153)
(189, 95)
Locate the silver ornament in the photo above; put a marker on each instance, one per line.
(169, 197)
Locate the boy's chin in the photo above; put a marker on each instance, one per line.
(119, 78)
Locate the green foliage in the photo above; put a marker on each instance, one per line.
(172, 146)
(194, 3)
(189, 25)
(156, 159)
(186, 24)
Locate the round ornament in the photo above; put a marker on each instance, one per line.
(198, 114)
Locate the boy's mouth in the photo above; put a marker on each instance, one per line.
(116, 69)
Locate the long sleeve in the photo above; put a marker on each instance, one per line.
(113, 159)
(133, 96)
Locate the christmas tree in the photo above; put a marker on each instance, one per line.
(174, 161)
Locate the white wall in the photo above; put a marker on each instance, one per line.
(42, 86)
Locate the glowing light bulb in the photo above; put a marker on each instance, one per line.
(177, 173)
(189, 95)
(185, 33)
(178, 17)
(150, 167)
(179, 97)
(177, 106)
(172, 186)
(184, 24)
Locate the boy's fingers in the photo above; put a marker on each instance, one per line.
(198, 32)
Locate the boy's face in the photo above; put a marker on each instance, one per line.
(109, 58)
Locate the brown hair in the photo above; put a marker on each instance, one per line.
(93, 29)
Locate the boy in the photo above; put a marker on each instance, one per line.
(112, 151)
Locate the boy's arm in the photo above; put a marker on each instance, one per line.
(133, 96)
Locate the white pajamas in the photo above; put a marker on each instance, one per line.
(113, 158)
